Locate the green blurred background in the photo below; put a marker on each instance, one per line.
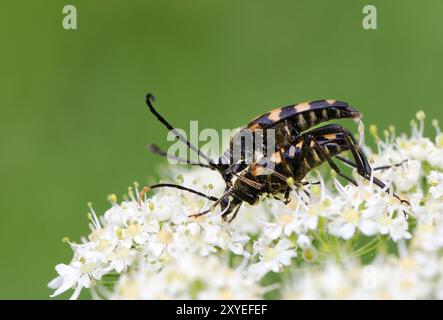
(73, 121)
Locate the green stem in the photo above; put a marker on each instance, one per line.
(368, 247)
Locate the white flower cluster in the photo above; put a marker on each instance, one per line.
(190, 277)
(330, 241)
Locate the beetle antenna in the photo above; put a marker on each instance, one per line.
(146, 189)
(156, 150)
(149, 99)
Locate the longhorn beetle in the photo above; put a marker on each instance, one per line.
(298, 149)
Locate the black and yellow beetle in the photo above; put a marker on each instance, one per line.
(298, 149)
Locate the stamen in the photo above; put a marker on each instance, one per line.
(142, 193)
(373, 130)
(386, 134)
(392, 131)
(322, 186)
(421, 117)
(136, 185)
(131, 193)
(361, 131)
(94, 217)
(436, 125)
(112, 198)
(340, 187)
(415, 131)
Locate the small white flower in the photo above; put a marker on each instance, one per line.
(349, 220)
(189, 277)
(121, 257)
(76, 275)
(397, 228)
(435, 180)
(163, 242)
(407, 176)
(272, 257)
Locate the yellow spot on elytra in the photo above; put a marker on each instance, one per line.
(330, 136)
(303, 106)
(274, 115)
(276, 157)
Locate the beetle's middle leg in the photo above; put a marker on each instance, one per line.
(352, 164)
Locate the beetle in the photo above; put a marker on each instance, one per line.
(287, 124)
(297, 150)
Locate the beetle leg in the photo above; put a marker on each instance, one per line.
(286, 199)
(216, 203)
(352, 164)
(334, 167)
(233, 215)
(305, 183)
(363, 167)
(171, 185)
(250, 182)
(149, 101)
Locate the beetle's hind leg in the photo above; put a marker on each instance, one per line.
(331, 163)
(362, 164)
(352, 164)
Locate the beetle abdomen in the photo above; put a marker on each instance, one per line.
(305, 115)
